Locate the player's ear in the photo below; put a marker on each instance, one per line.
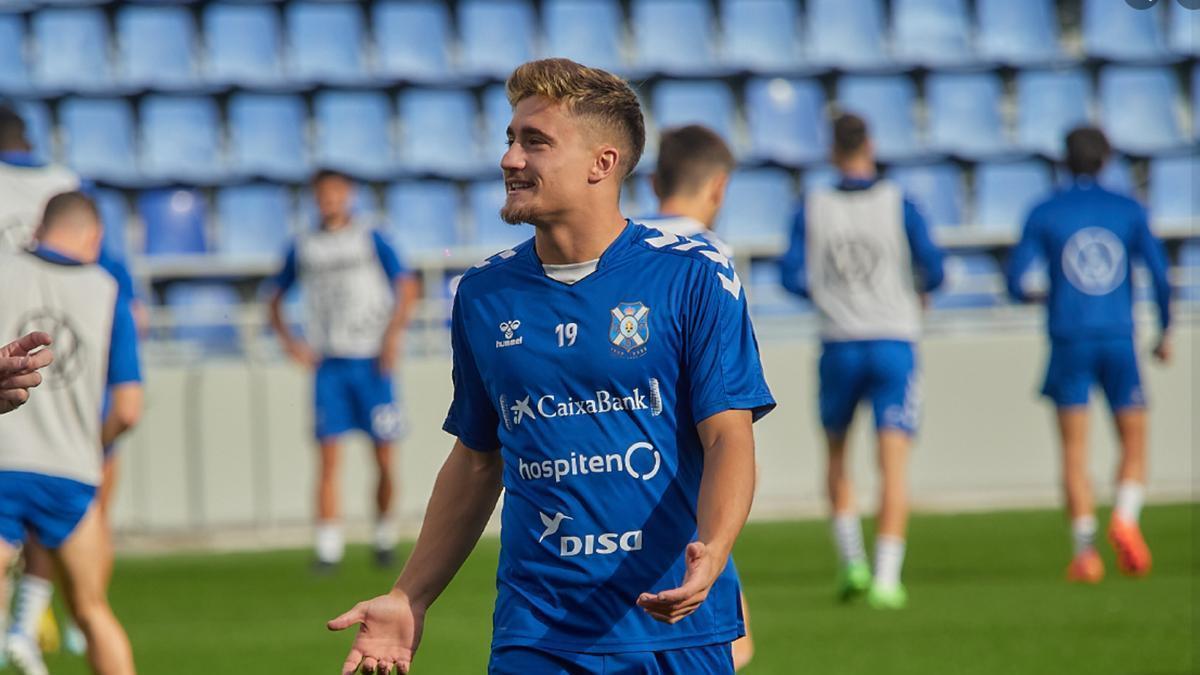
(608, 162)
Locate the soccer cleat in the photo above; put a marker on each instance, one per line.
(385, 558)
(1086, 568)
(74, 639)
(23, 655)
(49, 639)
(1133, 555)
(894, 597)
(853, 580)
(325, 568)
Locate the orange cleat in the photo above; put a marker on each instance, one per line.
(1133, 555)
(1086, 568)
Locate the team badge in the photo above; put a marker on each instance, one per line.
(630, 329)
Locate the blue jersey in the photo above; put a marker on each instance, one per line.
(1089, 238)
(592, 392)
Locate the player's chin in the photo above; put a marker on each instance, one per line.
(516, 214)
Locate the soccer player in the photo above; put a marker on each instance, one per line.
(359, 296)
(50, 451)
(606, 376)
(1089, 238)
(854, 250)
(20, 361)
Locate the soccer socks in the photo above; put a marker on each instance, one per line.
(889, 559)
(847, 535)
(330, 545)
(1083, 533)
(33, 597)
(1130, 496)
(384, 538)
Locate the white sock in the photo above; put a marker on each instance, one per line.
(385, 534)
(330, 544)
(33, 597)
(847, 535)
(1130, 496)
(889, 558)
(1083, 533)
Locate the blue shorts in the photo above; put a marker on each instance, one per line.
(883, 371)
(351, 394)
(48, 506)
(1076, 365)
(710, 660)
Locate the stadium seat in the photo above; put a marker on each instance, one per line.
(638, 200)
(244, 44)
(14, 71)
(787, 120)
(180, 138)
(587, 31)
(973, 281)
(497, 113)
(1018, 32)
(1116, 175)
(487, 51)
(1174, 197)
(325, 43)
(707, 102)
(674, 37)
(438, 128)
(1006, 191)
(37, 128)
(98, 137)
(412, 39)
(1049, 104)
(1185, 30)
(818, 177)
(846, 35)
(964, 114)
(1196, 101)
(157, 44)
(423, 215)
(936, 189)
(761, 35)
(1111, 31)
(206, 314)
(353, 132)
(1138, 108)
(489, 234)
(886, 103)
(267, 137)
(758, 207)
(71, 49)
(114, 213)
(931, 32)
(254, 220)
(174, 221)
(1189, 262)
(766, 296)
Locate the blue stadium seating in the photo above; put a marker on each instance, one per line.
(787, 120)
(325, 43)
(1111, 31)
(253, 220)
(174, 221)
(972, 281)
(587, 31)
(1196, 102)
(488, 233)
(766, 296)
(180, 138)
(98, 137)
(1185, 31)
(1116, 175)
(638, 200)
(1049, 104)
(267, 137)
(1006, 191)
(71, 49)
(37, 128)
(438, 131)
(819, 177)
(1189, 261)
(497, 113)
(423, 215)
(846, 34)
(1138, 108)
(14, 71)
(114, 213)
(761, 36)
(244, 44)
(412, 39)
(758, 207)
(353, 132)
(157, 46)
(964, 114)
(931, 32)
(674, 36)
(707, 102)
(936, 189)
(488, 50)
(1018, 32)
(1174, 197)
(886, 103)
(206, 312)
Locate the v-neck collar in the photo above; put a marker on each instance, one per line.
(610, 254)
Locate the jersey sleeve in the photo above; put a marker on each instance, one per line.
(286, 277)
(792, 269)
(393, 265)
(1150, 250)
(722, 361)
(123, 362)
(471, 418)
(1023, 255)
(117, 270)
(926, 255)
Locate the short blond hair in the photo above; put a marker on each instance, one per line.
(588, 92)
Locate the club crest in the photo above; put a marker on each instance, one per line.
(630, 329)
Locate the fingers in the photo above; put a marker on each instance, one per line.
(14, 398)
(25, 344)
(346, 620)
(26, 381)
(351, 663)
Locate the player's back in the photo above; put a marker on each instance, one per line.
(24, 190)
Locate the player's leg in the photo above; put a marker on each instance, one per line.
(1122, 386)
(743, 647)
(33, 629)
(11, 534)
(379, 414)
(383, 540)
(332, 412)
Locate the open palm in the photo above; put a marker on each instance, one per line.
(388, 633)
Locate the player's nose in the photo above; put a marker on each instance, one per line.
(513, 159)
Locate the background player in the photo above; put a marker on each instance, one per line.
(1089, 238)
(853, 251)
(50, 453)
(359, 297)
(546, 337)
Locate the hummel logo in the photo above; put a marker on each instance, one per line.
(523, 409)
(509, 328)
(552, 523)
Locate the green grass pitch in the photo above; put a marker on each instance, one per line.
(987, 596)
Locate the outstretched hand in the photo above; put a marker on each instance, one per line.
(389, 630)
(18, 368)
(674, 605)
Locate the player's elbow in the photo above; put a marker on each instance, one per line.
(126, 411)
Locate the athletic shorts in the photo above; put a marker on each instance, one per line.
(881, 371)
(50, 507)
(1076, 365)
(350, 395)
(707, 660)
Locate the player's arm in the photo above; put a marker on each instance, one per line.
(124, 377)
(284, 280)
(1022, 257)
(926, 255)
(406, 290)
(792, 270)
(1152, 253)
(18, 368)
